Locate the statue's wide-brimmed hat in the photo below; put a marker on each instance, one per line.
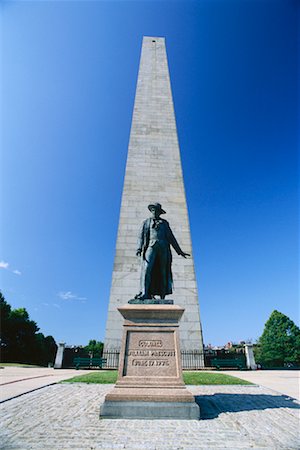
(156, 206)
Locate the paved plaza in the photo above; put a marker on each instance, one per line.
(15, 381)
(65, 416)
(286, 382)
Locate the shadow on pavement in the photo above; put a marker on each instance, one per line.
(213, 405)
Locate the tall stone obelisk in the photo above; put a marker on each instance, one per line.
(153, 174)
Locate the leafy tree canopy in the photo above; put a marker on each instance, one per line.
(279, 345)
(95, 347)
(20, 340)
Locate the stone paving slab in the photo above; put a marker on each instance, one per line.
(66, 416)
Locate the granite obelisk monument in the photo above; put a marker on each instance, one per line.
(154, 174)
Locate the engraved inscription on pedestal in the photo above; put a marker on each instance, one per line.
(150, 354)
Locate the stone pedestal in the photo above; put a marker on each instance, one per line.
(150, 383)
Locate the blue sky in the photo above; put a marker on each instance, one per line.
(69, 72)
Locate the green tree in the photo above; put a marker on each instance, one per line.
(22, 335)
(95, 347)
(51, 349)
(5, 311)
(20, 340)
(44, 350)
(279, 344)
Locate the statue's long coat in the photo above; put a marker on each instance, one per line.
(143, 243)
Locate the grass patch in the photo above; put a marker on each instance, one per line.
(110, 377)
(98, 377)
(200, 377)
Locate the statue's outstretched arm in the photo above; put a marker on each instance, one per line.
(175, 244)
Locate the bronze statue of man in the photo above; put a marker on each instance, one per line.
(154, 242)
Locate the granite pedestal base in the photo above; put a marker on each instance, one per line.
(150, 383)
(150, 410)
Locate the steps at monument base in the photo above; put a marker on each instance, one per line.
(150, 394)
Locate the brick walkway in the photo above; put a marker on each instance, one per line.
(67, 416)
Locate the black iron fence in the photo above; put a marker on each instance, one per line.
(190, 359)
(112, 359)
(73, 352)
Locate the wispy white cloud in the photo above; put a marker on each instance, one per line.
(56, 305)
(68, 295)
(5, 265)
(17, 272)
